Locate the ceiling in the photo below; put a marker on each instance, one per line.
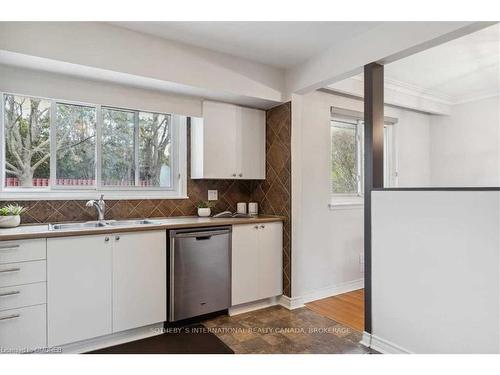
(459, 70)
(280, 44)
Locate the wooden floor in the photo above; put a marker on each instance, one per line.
(347, 308)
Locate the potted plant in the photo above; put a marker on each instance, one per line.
(204, 209)
(10, 215)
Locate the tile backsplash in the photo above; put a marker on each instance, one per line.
(50, 211)
(273, 194)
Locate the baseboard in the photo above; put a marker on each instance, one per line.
(366, 340)
(296, 302)
(112, 339)
(381, 345)
(290, 303)
(255, 305)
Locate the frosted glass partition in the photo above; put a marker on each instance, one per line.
(435, 271)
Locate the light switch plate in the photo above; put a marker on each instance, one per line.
(213, 195)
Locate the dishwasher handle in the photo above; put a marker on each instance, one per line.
(201, 235)
(202, 238)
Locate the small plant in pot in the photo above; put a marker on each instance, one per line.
(10, 215)
(204, 209)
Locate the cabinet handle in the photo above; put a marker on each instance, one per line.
(13, 316)
(117, 238)
(241, 175)
(262, 226)
(13, 293)
(256, 227)
(234, 174)
(106, 239)
(8, 247)
(10, 270)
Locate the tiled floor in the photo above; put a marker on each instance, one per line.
(276, 330)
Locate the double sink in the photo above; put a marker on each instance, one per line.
(102, 224)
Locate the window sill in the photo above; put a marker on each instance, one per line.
(41, 194)
(346, 203)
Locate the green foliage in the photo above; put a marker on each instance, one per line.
(118, 135)
(27, 136)
(12, 210)
(27, 139)
(75, 141)
(204, 204)
(154, 145)
(344, 160)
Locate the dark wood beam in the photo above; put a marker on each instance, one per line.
(374, 166)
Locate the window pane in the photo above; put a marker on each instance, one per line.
(155, 159)
(27, 141)
(344, 161)
(118, 139)
(75, 139)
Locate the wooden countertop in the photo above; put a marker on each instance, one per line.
(42, 230)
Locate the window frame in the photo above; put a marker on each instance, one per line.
(178, 175)
(356, 125)
(339, 201)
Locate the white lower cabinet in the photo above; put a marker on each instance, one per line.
(139, 279)
(78, 288)
(98, 285)
(23, 309)
(256, 262)
(12, 297)
(23, 329)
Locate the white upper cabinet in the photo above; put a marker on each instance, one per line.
(228, 143)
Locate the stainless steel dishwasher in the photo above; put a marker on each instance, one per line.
(200, 272)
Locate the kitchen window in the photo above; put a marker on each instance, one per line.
(347, 158)
(54, 149)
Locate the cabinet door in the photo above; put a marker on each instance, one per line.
(23, 329)
(270, 259)
(245, 264)
(220, 140)
(139, 279)
(78, 288)
(252, 155)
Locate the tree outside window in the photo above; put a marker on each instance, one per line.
(27, 140)
(136, 147)
(346, 157)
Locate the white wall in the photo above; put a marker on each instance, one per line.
(465, 146)
(327, 243)
(435, 271)
(413, 137)
(37, 83)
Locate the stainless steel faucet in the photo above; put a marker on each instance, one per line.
(99, 205)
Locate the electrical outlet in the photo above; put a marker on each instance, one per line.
(361, 258)
(213, 195)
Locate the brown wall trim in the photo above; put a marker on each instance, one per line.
(374, 166)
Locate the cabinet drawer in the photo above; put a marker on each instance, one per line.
(14, 297)
(22, 251)
(22, 273)
(23, 329)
